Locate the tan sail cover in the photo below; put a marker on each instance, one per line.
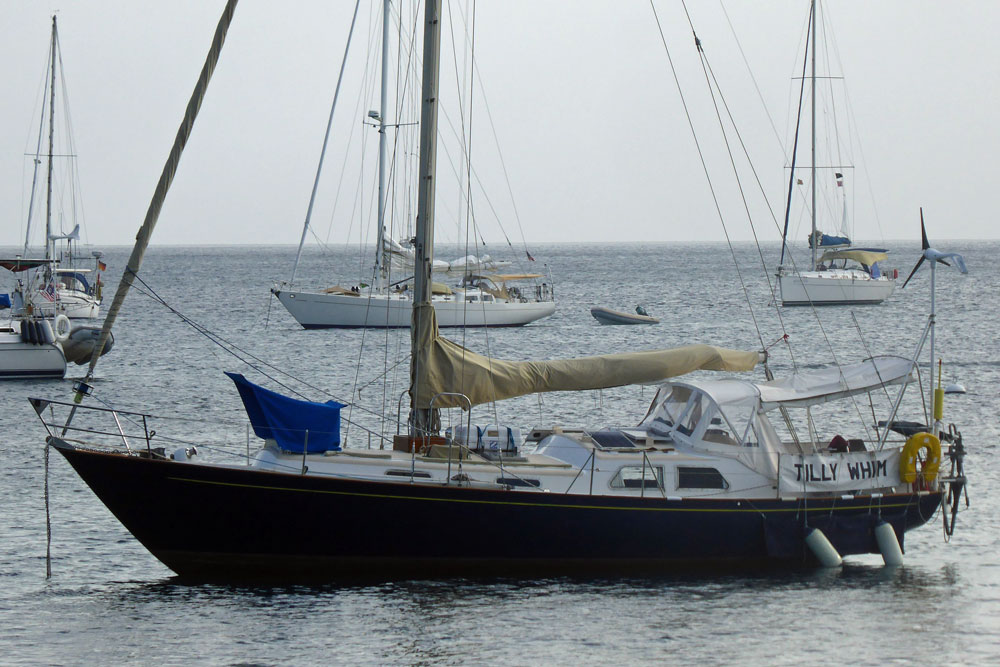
(442, 366)
(866, 257)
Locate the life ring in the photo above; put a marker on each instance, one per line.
(61, 326)
(908, 458)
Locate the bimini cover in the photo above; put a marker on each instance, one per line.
(866, 257)
(828, 384)
(287, 420)
(4, 301)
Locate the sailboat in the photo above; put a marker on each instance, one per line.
(702, 477)
(29, 348)
(838, 274)
(484, 298)
(35, 344)
(40, 339)
(62, 288)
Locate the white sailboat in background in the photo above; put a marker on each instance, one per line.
(39, 339)
(483, 298)
(841, 275)
(61, 287)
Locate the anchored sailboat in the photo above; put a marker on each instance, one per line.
(841, 275)
(40, 339)
(485, 298)
(62, 288)
(703, 477)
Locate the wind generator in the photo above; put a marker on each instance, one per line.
(934, 256)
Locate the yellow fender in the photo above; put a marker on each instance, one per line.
(908, 458)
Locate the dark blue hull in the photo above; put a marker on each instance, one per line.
(206, 522)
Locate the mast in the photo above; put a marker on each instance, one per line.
(424, 325)
(813, 173)
(52, 127)
(379, 259)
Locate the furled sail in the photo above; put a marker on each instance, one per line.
(449, 367)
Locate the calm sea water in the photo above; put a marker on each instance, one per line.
(110, 602)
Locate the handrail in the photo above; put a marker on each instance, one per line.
(39, 405)
(468, 429)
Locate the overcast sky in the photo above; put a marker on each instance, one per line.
(588, 117)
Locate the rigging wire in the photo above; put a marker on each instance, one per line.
(701, 157)
(753, 79)
(326, 139)
(73, 167)
(829, 343)
(37, 155)
(710, 79)
(713, 86)
(245, 356)
(853, 123)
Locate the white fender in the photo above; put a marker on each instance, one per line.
(822, 549)
(892, 555)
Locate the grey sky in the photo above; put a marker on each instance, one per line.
(589, 121)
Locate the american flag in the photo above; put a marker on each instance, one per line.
(49, 293)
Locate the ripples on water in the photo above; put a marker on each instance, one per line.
(110, 602)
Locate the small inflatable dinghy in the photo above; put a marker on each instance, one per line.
(608, 316)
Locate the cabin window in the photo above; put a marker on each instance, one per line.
(517, 481)
(700, 478)
(407, 473)
(638, 477)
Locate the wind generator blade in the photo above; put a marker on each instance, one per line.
(958, 259)
(923, 231)
(166, 178)
(919, 262)
(943, 262)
